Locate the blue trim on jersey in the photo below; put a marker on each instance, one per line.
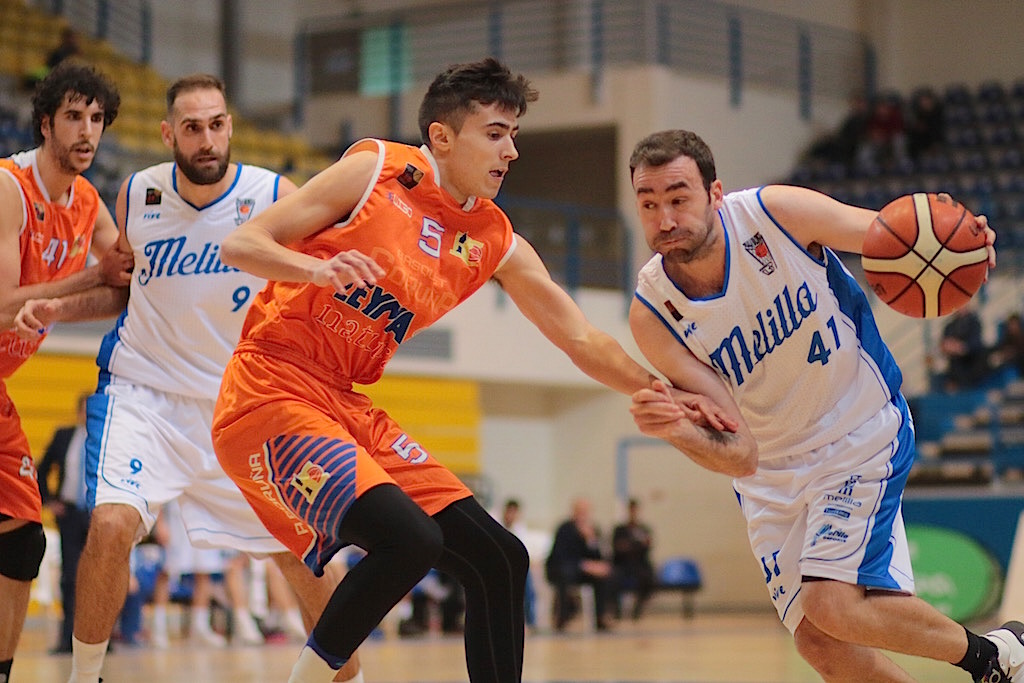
(127, 202)
(109, 345)
(878, 552)
(277, 186)
(658, 315)
(854, 305)
(819, 261)
(174, 184)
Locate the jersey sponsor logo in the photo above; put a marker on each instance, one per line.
(399, 204)
(243, 209)
(309, 480)
(153, 196)
(836, 512)
(736, 355)
(468, 249)
(375, 302)
(168, 257)
(16, 347)
(827, 532)
(673, 311)
(410, 177)
(151, 215)
(758, 248)
(40, 211)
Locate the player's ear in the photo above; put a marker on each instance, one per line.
(440, 136)
(167, 134)
(717, 193)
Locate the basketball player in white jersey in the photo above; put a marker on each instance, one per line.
(746, 303)
(149, 422)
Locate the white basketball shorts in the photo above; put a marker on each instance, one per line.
(148, 447)
(834, 513)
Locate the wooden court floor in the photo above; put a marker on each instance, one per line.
(660, 647)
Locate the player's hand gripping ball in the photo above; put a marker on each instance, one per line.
(924, 255)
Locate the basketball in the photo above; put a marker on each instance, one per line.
(924, 255)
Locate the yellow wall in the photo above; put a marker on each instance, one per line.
(441, 415)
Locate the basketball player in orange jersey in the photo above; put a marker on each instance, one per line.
(746, 302)
(50, 219)
(386, 241)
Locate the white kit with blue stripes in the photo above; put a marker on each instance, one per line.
(792, 336)
(794, 339)
(186, 308)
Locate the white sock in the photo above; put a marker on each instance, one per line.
(201, 619)
(159, 621)
(86, 660)
(310, 668)
(358, 678)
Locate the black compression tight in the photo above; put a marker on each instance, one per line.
(490, 563)
(402, 544)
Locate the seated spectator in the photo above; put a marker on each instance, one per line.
(927, 126)
(841, 145)
(576, 558)
(1008, 353)
(631, 559)
(886, 141)
(964, 350)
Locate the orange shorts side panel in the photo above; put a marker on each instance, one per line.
(19, 488)
(301, 450)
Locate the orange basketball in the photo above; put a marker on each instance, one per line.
(924, 255)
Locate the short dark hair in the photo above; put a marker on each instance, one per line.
(72, 80)
(512, 503)
(190, 83)
(658, 149)
(460, 88)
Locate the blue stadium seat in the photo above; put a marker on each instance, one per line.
(681, 574)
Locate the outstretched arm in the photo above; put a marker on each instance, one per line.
(733, 453)
(527, 281)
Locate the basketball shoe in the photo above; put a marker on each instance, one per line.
(1008, 666)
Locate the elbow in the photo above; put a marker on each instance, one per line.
(746, 462)
(231, 249)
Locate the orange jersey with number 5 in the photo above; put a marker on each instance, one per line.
(435, 252)
(55, 240)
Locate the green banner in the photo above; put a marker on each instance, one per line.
(953, 572)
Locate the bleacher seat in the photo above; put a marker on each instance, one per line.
(681, 574)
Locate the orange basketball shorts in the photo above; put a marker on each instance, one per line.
(302, 450)
(19, 488)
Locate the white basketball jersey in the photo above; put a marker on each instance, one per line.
(186, 308)
(792, 336)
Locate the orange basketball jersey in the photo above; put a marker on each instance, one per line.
(435, 253)
(55, 240)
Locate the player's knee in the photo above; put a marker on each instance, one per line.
(816, 647)
(21, 552)
(112, 528)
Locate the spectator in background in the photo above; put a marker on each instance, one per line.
(1008, 353)
(68, 47)
(841, 146)
(964, 349)
(63, 490)
(631, 559)
(577, 558)
(886, 140)
(927, 126)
